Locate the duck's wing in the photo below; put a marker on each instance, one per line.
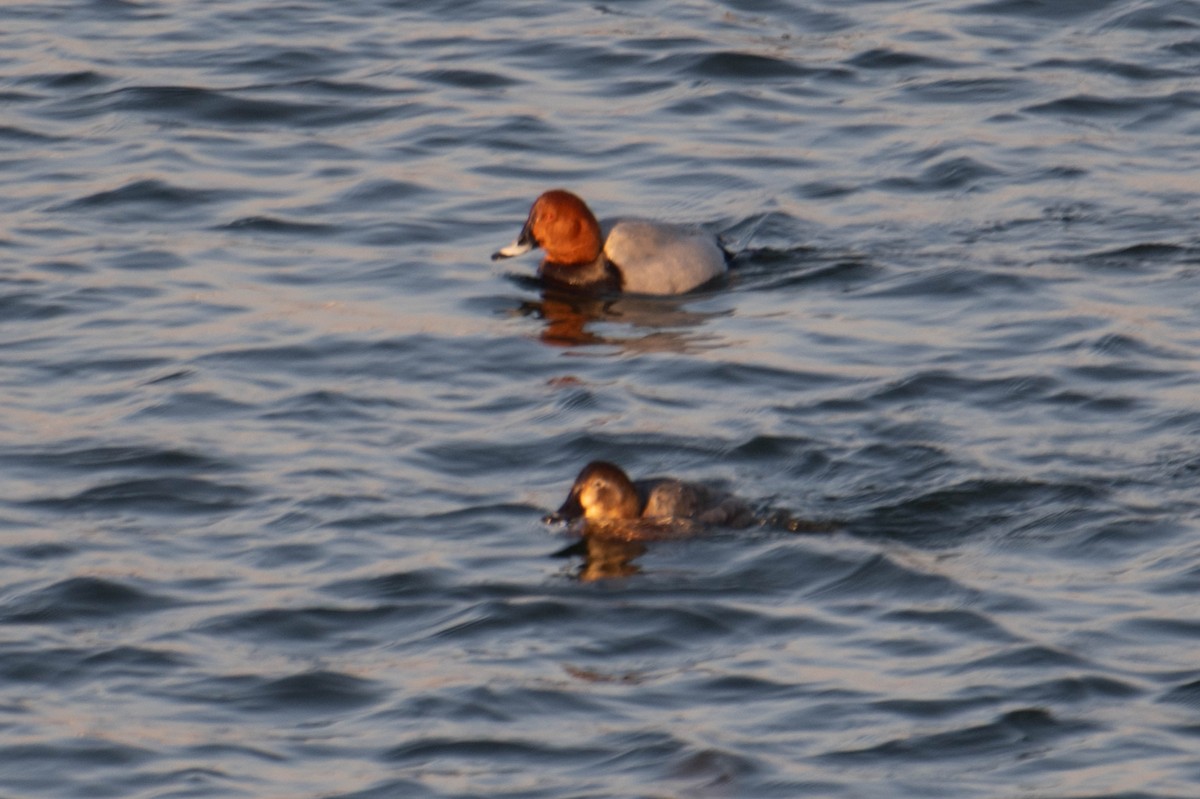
(700, 505)
(672, 499)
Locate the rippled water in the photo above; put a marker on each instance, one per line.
(277, 437)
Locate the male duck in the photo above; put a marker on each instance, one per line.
(634, 255)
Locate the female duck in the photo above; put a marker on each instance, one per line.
(636, 255)
(609, 502)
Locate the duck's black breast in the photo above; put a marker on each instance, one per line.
(599, 275)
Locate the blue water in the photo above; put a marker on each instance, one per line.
(276, 437)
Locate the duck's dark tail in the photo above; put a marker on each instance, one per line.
(732, 249)
(728, 253)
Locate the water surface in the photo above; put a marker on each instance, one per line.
(276, 436)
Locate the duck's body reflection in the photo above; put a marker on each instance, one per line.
(658, 324)
(604, 558)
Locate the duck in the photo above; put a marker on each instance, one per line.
(607, 502)
(632, 256)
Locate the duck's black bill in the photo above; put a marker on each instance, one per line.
(569, 512)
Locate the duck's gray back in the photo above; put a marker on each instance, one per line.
(658, 258)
